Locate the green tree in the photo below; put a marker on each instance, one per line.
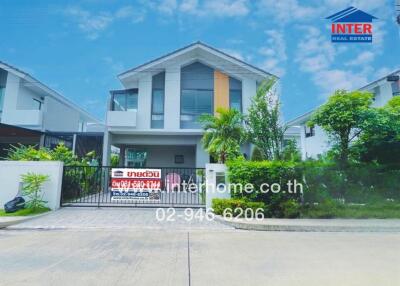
(291, 152)
(223, 134)
(263, 122)
(380, 139)
(257, 154)
(341, 118)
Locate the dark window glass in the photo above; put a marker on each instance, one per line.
(396, 88)
(235, 99)
(2, 89)
(125, 100)
(193, 104)
(157, 101)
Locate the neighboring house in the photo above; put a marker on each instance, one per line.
(33, 114)
(28, 103)
(314, 141)
(153, 120)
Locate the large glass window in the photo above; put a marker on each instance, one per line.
(235, 94)
(125, 100)
(235, 99)
(197, 93)
(193, 104)
(157, 101)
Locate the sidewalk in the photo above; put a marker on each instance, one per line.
(316, 225)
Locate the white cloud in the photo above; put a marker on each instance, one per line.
(286, 11)
(274, 52)
(318, 56)
(220, 8)
(362, 59)
(92, 24)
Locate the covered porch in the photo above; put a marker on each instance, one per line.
(150, 151)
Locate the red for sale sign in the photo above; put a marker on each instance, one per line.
(135, 184)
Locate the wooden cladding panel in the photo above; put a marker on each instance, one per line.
(221, 90)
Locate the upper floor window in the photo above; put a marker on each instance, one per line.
(197, 94)
(395, 88)
(125, 100)
(37, 104)
(235, 94)
(309, 131)
(2, 92)
(157, 101)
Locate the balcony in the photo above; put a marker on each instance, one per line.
(24, 117)
(121, 119)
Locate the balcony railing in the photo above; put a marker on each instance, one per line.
(121, 119)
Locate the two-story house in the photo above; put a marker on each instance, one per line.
(31, 113)
(314, 141)
(153, 120)
(26, 102)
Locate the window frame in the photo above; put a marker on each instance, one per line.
(195, 114)
(395, 83)
(126, 92)
(311, 133)
(40, 103)
(241, 99)
(157, 113)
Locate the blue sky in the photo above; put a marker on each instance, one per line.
(78, 47)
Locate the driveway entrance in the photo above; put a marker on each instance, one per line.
(92, 187)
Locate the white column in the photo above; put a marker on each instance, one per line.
(202, 157)
(249, 89)
(172, 97)
(216, 188)
(107, 140)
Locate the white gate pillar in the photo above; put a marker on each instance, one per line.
(216, 183)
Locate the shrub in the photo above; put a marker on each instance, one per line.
(269, 172)
(257, 154)
(32, 184)
(290, 208)
(219, 205)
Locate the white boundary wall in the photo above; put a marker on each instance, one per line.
(211, 183)
(10, 178)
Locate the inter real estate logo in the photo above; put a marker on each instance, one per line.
(351, 25)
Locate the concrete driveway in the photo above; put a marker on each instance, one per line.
(198, 254)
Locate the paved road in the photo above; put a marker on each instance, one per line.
(196, 254)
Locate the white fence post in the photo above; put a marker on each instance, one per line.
(216, 183)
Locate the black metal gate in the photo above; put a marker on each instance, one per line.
(91, 186)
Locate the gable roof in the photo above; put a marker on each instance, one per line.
(351, 14)
(26, 76)
(190, 47)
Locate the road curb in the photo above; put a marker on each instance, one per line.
(296, 225)
(7, 221)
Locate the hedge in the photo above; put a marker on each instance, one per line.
(219, 205)
(270, 172)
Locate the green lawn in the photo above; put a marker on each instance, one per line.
(24, 212)
(382, 210)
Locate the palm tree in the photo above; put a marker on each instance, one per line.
(223, 134)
